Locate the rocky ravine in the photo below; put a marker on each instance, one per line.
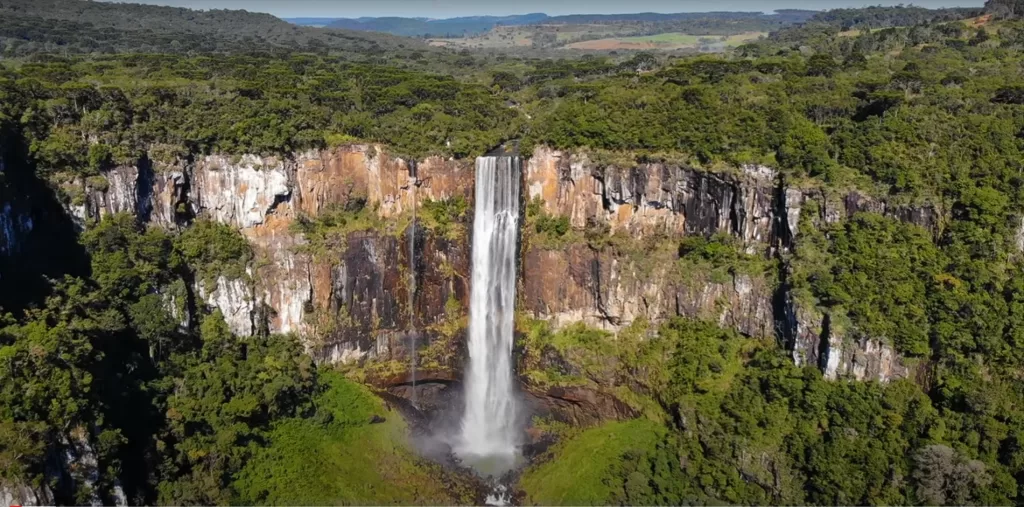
(367, 284)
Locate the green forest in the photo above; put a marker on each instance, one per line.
(920, 108)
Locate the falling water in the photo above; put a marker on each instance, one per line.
(413, 183)
(490, 429)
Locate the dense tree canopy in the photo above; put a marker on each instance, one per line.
(909, 107)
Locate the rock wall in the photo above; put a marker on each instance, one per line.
(654, 198)
(610, 290)
(21, 494)
(361, 292)
(356, 303)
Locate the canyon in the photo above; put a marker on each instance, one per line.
(394, 289)
(352, 303)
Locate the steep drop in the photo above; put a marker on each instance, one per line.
(490, 424)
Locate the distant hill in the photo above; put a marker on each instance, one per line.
(80, 26)
(310, 21)
(420, 27)
(1005, 8)
(476, 25)
(829, 23)
(886, 17)
(654, 17)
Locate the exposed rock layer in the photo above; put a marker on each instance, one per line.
(355, 303)
(752, 204)
(349, 303)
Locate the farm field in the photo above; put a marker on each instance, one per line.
(563, 37)
(666, 41)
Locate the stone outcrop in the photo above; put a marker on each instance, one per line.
(610, 290)
(579, 406)
(72, 468)
(363, 289)
(234, 298)
(815, 341)
(355, 303)
(654, 198)
(243, 193)
(22, 494)
(13, 226)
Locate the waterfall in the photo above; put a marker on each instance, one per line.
(490, 424)
(413, 182)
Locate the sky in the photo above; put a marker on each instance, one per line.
(453, 8)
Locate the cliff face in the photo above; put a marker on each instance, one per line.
(348, 303)
(354, 301)
(610, 289)
(654, 198)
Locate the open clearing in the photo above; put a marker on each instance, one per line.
(603, 38)
(667, 41)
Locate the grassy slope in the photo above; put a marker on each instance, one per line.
(578, 466)
(347, 461)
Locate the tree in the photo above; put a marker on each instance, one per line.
(942, 476)
(225, 400)
(805, 149)
(821, 65)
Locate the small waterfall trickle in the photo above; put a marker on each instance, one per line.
(490, 436)
(413, 183)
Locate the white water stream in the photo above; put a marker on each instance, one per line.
(490, 436)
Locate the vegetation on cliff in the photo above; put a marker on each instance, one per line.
(84, 116)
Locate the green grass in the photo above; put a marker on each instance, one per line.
(678, 40)
(577, 471)
(663, 38)
(346, 461)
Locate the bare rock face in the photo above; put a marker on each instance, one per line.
(121, 194)
(71, 466)
(234, 298)
(21, 494)
(283, 277)
(335, 177)
(288, 289)
(654, 198)
(357, 303)
(610, 290)
(817, 342)
(579, 406)
(240, 193)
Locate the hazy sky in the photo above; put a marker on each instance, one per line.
(451, 8)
